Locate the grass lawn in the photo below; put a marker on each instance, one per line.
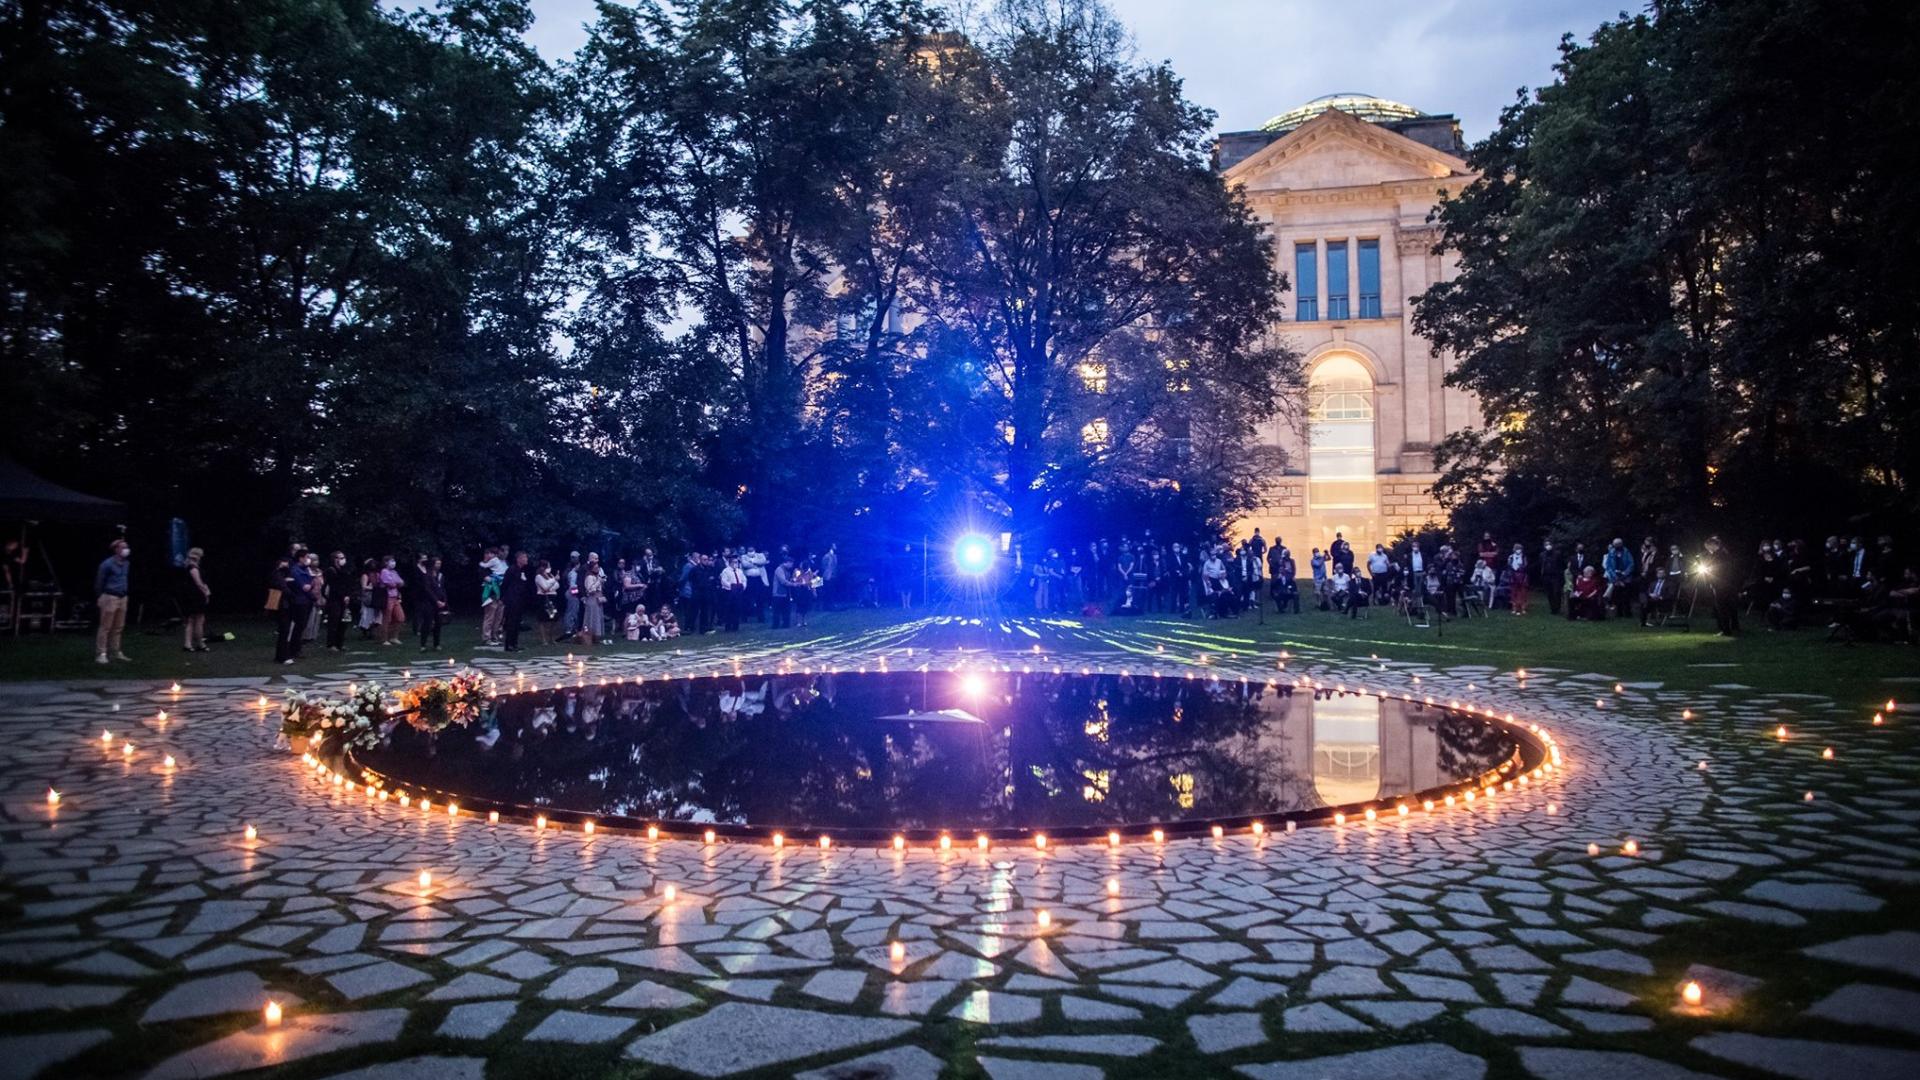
(1797, 662)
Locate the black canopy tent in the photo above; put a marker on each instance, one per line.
(26, 496)
(30, 499)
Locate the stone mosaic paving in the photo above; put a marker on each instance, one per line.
(143, 933)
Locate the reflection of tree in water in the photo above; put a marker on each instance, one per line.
(1469, 746)
(1118, 748)
(1054, 751)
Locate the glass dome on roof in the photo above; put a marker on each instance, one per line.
(1365, 106)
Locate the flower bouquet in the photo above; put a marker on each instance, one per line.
(359, 720)
(437, 704)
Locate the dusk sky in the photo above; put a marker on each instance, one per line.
(1250, 59)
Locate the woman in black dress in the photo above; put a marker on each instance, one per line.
(193, 603)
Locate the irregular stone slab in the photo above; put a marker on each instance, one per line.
(581, 982)
(1015, 1069)
(28, 1055)
(914, 998)
(1244, 991)
(995, 1007)
(1760, 913)
(1612, 960)
(1513, 1022)
(32, 997)
(381, 978)
(1720, 990)
(1897, 951)
(432, 1067)
(1815, 896)
(1160, 997)
(1434, 986)
(840, 985)
(298, 1037)
(578, 1027)
(1398, 1014)
(1556, 1063)
(899, 1063)
(1871, 1006)
(1320, 1017)
(735, 1036)
(477, 1021)
(1218, 1033)
(1607, 1023)
(1807, 1059)
(1106, 1045)
(1429, 1061)
(650, 995)
(1584, 991)
(1348, 981)
(236, 991)
(474, 984)
(1087, 1010)
(1165, 973)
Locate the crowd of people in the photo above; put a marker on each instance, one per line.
(582, 601)
(1858, 589)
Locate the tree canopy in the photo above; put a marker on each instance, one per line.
(789, 269)
(1686, 276)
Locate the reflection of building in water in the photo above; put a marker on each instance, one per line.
(1359, 753)
(1346, 748)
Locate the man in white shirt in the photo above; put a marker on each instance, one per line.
(753, 563)
(733, 593)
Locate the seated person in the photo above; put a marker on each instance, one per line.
(1588, 600)
(636, 624)
(1483, 582)
(1784, 612)
(1658, 603)
(1341, 595)
(665, 625)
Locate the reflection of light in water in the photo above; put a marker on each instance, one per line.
(1183, 789)
(1346, 748)
(1099, 782)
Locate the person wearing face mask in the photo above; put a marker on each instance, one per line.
(110, 596)
(393, 619)
(342, 585)
(296, 603)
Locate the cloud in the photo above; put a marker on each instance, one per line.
(1250, 59)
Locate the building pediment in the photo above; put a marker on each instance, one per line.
(1335, 150)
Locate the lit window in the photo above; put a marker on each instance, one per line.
(1369, 279)
(1306, 284)
(1093, 375)
(1094, 435)
(1340, 465)
(1337, 280)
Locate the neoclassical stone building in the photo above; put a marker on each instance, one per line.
(1344, 183)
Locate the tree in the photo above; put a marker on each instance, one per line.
(1678, 277)
(1099, 316)
(709, 143)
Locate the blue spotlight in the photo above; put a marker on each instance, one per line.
(973, 554)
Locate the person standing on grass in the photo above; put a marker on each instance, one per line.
(733, 593)
(296, 604)
(433, 603)
(516, 592)
(194, 595)
(110, 597)
(1617, 567)
(1517, 583)
(546, 593)
(393, 616)
(342, 585)
(1547, 567)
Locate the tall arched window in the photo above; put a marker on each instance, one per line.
(1340, 465)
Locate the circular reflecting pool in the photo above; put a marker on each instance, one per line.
(927, 752)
